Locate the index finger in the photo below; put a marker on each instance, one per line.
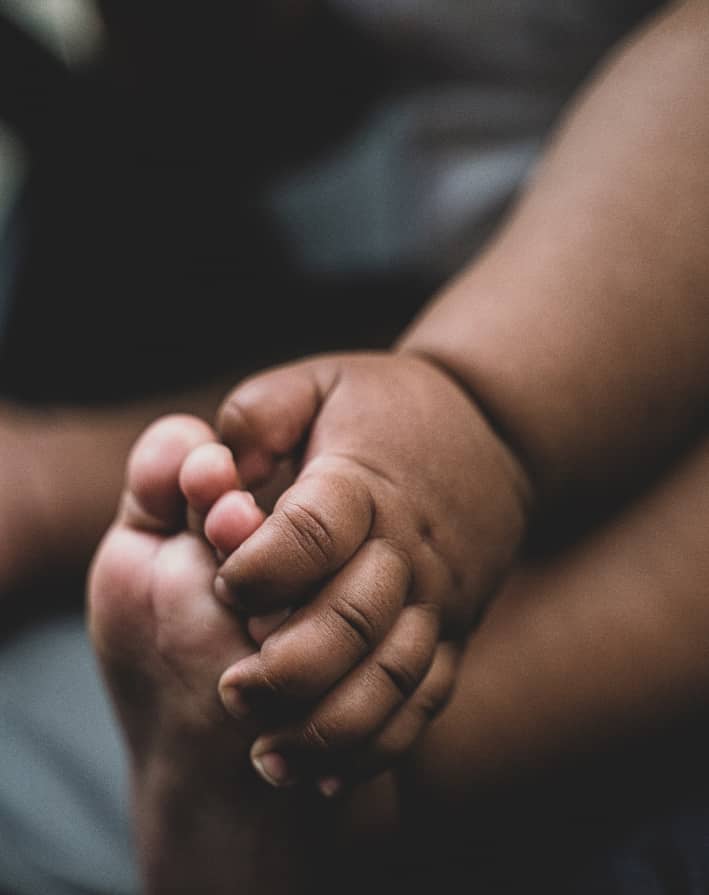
(317, 525)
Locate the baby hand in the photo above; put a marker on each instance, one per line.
(406, 511)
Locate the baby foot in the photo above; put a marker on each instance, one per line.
(153, 612)
(162, 637)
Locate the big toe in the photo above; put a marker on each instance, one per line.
(153, 498)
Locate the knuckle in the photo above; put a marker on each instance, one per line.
(429, 703)
(277, 674)
(396, 561)
(316, 736)
(419, 634)
(407, 658)
(356, 621)
(400, 674)
(310, 531)
(437, 687)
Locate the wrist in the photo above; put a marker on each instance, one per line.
(512, 457)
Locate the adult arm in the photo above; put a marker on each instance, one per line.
(61, 473)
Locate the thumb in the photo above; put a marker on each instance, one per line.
(267, 417)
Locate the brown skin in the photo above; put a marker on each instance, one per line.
(560, 372)
(382, 532)
(604, 640)
(583, 332)
(583, 329)
(164, 640)
(62, 472)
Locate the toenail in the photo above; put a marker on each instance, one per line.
(234, 702)
(273, 768)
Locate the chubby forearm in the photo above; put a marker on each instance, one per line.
(583, 330)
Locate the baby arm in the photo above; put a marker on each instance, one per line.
(572, 359)
(583, 330)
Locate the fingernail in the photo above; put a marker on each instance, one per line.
(234, 702)
(273, 768)
(222, 591)
(329, 786)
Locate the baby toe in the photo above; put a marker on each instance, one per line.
(208, 473)
(153, 497)
(232, 519)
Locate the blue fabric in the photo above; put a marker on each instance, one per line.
(64, 817)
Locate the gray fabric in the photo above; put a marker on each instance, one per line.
(64, 826)
(417, 189)
(424, 179)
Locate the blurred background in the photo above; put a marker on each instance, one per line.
(185, 190)
(137, 143)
